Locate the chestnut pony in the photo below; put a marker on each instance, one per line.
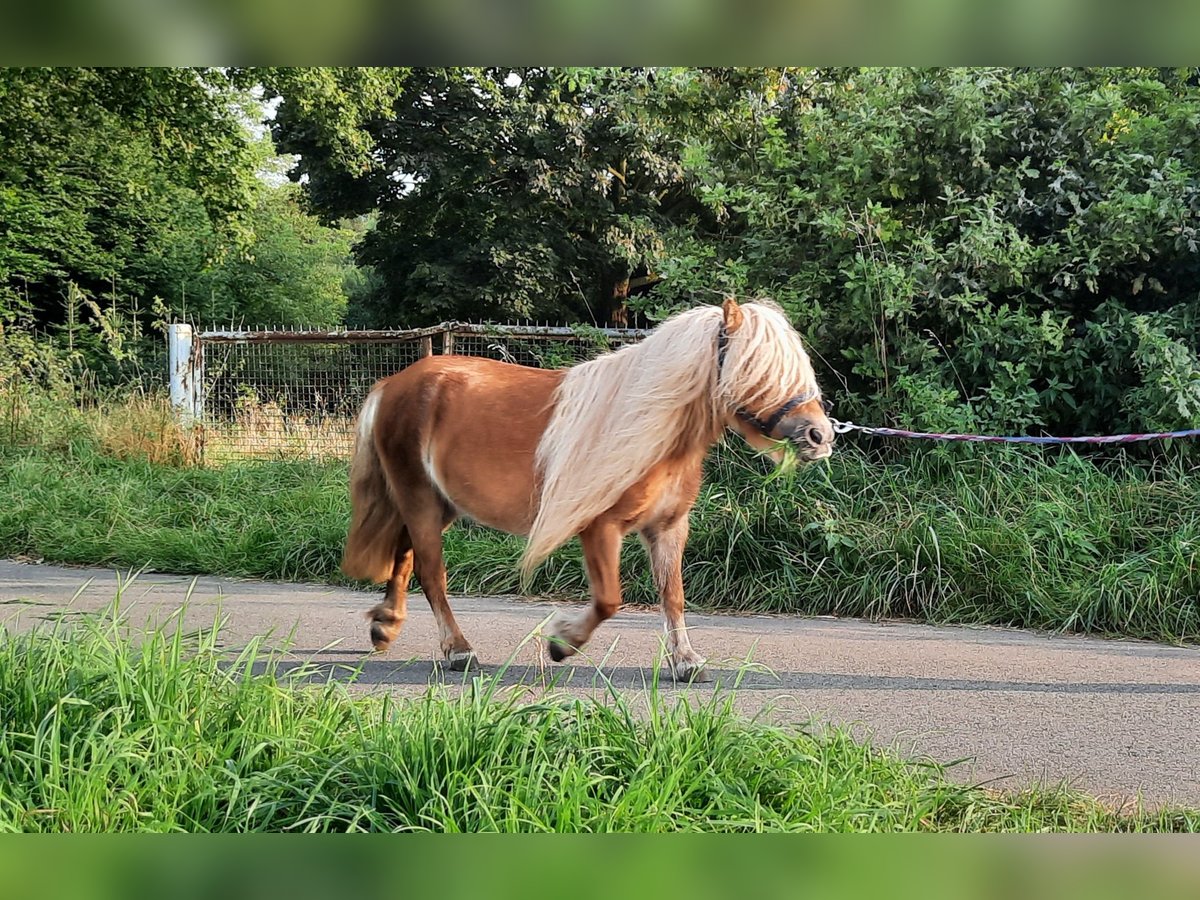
(607, 447)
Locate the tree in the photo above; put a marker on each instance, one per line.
(123, 187)
(292, 272)
(1006, 249)
(511, 192)
(94, 162)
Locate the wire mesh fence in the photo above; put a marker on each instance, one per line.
(545, 347)
(288, 394)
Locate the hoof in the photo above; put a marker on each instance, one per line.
(558, 649)
(381, 636)
(691, 673)
(385, 627)
(462, 660)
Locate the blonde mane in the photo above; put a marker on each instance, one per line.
(619, 415)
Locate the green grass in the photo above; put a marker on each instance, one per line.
(169, 733)
(967, 534)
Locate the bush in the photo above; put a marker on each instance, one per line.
(1003, 250)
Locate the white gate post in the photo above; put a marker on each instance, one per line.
(185, 377)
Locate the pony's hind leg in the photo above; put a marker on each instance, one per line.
(567, 632)
(665, 544)
(425, 530)
(388, 617)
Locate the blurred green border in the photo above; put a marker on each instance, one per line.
(695, 867)
(808, 32)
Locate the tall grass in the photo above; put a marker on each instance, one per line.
(977, 534)
(125, 424)
(167, 734)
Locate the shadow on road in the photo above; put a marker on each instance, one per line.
(373, 671)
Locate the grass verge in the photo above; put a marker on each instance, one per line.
(171, 734)
(976, 534)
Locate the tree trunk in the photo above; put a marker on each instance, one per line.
(618, 311)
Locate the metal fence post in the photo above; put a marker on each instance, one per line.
(184, 376)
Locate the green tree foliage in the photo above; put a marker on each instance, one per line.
(96, 164)
(122, 186)
(294, 271)
(965, 248)
(511, 192)
(979, 248)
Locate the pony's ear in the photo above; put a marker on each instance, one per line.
(733, 315)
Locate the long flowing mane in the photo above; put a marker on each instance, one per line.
(617, 416)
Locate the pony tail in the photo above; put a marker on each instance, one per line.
(542, 542)
(375, 522)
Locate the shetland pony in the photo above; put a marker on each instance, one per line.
(607, 447)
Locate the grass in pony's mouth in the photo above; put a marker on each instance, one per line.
(165, 731)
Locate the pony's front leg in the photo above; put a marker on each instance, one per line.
(425, 526)
(567, 632)
(665, 544)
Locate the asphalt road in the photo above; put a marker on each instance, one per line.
(1116, 718)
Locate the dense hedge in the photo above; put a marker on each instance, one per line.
(1008, 249)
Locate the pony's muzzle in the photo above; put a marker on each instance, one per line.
(813, 439)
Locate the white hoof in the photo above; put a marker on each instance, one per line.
(690, 671)
(462, 660)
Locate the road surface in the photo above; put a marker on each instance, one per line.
(1118, 719)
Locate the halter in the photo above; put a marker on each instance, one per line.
(765, 426)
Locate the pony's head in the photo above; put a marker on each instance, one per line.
(767, 384)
